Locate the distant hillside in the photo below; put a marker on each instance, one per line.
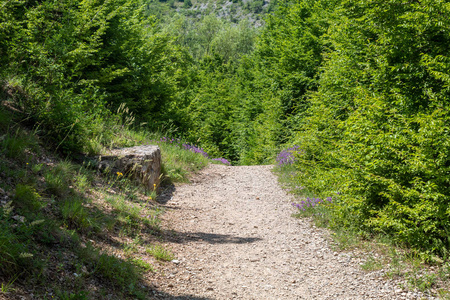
(234, 11)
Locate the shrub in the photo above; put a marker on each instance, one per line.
(377, 128)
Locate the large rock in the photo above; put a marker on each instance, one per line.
(141, 162)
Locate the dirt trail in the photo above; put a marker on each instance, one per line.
(234, 238)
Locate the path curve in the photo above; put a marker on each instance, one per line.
(234, 238)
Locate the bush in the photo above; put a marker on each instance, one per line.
(377, 130)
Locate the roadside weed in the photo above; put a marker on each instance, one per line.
(58, 178)
(75, 215)
(6, 287)
(145, 266)
(160, 253)
(37, 168)
(121, 272)
(27, 198)
(16, 146)
(372, 264)
(64, 295)
(132, 247)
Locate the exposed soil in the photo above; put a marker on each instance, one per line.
(234, 238)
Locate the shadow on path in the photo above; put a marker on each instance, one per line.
(166, 194)
(184, 297)
(211, 238)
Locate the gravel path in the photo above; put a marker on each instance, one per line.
(234, 238)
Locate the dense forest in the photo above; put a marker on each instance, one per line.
(359, 90)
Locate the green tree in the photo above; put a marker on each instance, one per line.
(187, 4)
(378, 129)
(70, 59)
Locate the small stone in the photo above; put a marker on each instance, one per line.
(176, 261)
(209, 289)
(19, 218)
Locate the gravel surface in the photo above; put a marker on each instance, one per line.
(234, 238)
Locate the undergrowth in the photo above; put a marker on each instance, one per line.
(65, 226)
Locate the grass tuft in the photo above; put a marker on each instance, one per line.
(27, 198)
(74, 214)
(18, 146)
(58, 178)
(160, 253)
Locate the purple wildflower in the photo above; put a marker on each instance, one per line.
(287, 156)
(222, 160)
(195, 149)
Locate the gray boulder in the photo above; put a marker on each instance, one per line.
(141, 162)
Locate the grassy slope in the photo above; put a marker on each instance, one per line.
(70, 232)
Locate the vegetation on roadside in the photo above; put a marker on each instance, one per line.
(415, 269)
(355, 91)
(71, 232)
(373, 135)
